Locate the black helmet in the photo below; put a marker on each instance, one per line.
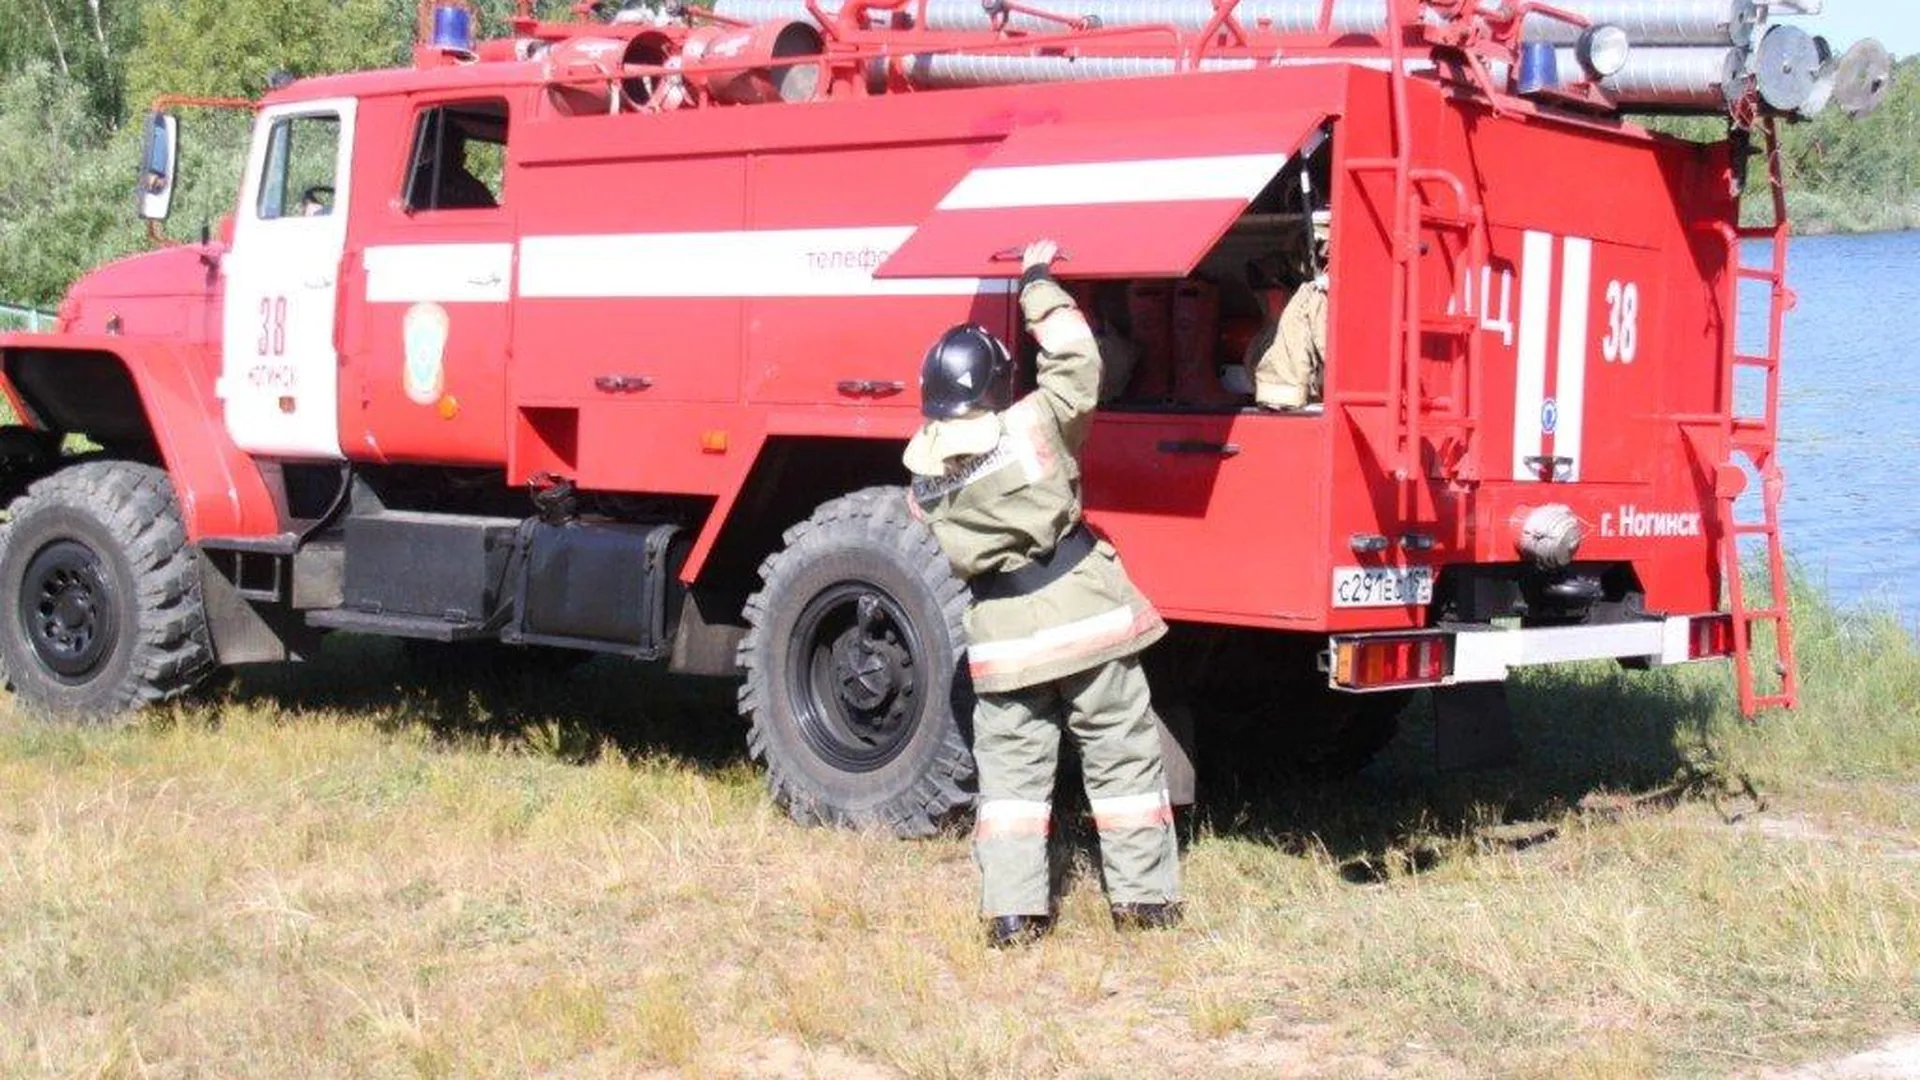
(967, 368)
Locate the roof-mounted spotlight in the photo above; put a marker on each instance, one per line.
(1602, 50)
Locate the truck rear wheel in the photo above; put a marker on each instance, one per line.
(1265, 709)
(100, 606)
(855, 695)
(1315, 734)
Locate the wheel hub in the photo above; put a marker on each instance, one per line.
(66, 608)
(858, 684)
(871, 675)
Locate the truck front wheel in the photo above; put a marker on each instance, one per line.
(100, 606)
(855, 693)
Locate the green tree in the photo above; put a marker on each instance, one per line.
(82, 42)
(221, 48)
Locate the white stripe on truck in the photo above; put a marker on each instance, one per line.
(443, 273)
(1530, 380)
(1570, 377)
(1093, 183)
(746, 263)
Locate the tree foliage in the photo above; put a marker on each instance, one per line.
(1869, 166)
(84, 43)
(1843, 174)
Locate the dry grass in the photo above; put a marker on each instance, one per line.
(339, 871)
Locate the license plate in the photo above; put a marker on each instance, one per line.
(1357, 587)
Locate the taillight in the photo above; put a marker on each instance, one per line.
(1376, 663)
(1709, 635)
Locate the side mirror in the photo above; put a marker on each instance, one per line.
(158, 158)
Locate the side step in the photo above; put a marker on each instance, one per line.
(276, 544)
(257, 565)
(423, 627)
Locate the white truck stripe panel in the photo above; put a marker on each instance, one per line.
(1188, 179)
(1570, 377)
(747, 263)
(1530, 380)
(444, 273)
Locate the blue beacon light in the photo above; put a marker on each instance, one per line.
(453, 28)
(1539, 67)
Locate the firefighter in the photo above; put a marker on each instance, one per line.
(1056, 627)
(1290, 370)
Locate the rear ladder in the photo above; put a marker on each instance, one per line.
(1414, 215)
(1757, 437)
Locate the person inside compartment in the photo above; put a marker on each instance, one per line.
(1287, 362)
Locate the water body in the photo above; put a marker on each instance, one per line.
(1850, 417)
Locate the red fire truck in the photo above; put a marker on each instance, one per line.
(602, 337)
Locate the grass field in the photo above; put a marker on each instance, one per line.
(354, 870)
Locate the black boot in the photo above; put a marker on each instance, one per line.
(1147, 916)
(1009, 931)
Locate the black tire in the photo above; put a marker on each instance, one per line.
(860, 583)
(1339, 734)
(1315, 734)
(1263, 709)
(100, 606)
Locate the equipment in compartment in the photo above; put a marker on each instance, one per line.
(1150, 311)
(1193, 335)
(1196, 345)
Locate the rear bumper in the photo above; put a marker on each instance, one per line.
(1388, 661)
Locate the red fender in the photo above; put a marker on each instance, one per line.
(220, 489)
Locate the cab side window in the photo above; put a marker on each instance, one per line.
(459, 158)
(302, 154)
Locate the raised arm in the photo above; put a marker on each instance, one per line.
(1069, 376)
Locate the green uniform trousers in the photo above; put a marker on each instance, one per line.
(1016, 742)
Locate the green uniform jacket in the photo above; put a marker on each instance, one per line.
(1002, 509)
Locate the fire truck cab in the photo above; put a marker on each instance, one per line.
(588, 340)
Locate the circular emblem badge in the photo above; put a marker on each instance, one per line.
(1549, 416)
(423, 375)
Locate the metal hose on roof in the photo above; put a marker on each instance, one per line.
(1667, 78)
(1657, 22)
(1647, 22)
(990, 69)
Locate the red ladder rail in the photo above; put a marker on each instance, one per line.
(1758, 439)
(1412, 216)
(1403, 341)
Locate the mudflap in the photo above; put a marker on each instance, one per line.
(1473, 727)
(1175, 721)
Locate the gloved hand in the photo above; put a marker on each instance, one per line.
(1039, 256)
(1037, 262)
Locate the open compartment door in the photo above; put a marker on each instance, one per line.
(1135, 199)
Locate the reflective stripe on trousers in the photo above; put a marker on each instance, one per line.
(1107, 712)
(1149, 810)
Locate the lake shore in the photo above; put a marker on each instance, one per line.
(1822, 214)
